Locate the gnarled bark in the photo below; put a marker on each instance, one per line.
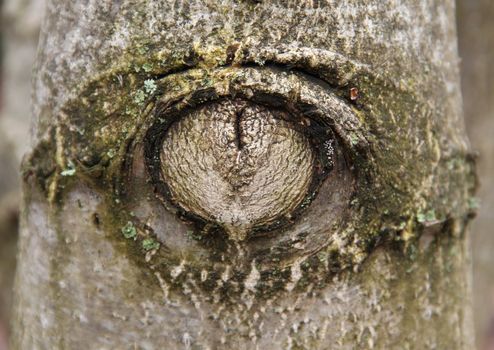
(118, 253)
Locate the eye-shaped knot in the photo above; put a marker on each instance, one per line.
(238, 164)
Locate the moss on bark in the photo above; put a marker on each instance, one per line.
(391, 269)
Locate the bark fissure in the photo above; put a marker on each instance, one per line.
(238, 129)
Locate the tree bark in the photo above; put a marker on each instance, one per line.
(118, 251)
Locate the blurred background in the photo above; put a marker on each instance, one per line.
(20, 22)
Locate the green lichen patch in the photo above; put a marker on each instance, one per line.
(474, 203)
(147, 67)
(428, 216)
(150, 86)
(150, 244)
(139, 97)
(129, 231)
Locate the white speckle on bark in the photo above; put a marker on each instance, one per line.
(187, 340)
(252, 278)
(177, 270)
(296, 274)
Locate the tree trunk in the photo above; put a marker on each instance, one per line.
(246, 174)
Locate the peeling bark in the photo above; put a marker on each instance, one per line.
(375, 258)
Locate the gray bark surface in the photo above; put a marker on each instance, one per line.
(377, 257)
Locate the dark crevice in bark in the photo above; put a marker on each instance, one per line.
(238, 129)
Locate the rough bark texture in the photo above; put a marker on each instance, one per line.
(375, 258)
(259, 164)
(476, 39)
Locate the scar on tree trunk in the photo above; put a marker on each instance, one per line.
(341, 220)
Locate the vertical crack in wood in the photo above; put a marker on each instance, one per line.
(238, 128)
